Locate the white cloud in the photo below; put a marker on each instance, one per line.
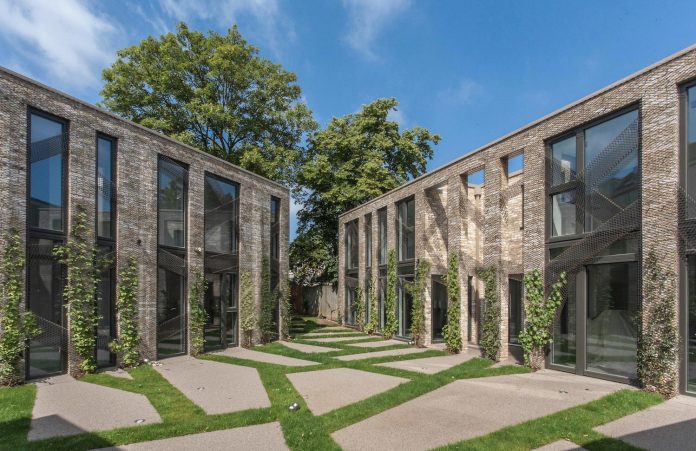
(398, 116)
(271, 24)
(67, 39)
(462, 93)
(367, 18)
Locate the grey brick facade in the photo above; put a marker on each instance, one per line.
(483, 225)
(138, 149)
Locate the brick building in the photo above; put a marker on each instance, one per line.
(590, 189)
(176, 210)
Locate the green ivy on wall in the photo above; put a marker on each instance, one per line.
(391, 324)
(359, 309)
(198, 316)
(373, 323)
(248, 320)
(17, 327)
(285, 301)
(269, 301)
(490, 328)
(126, 346)
(84, 266)
(540, 312)
(451, 331)
(658, 337)
(417, 291)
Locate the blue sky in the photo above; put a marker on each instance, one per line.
(469, 71)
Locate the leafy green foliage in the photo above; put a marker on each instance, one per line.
(490, 328)
(248, 316)
(128, 341)
(285, 302)
(198, 316)
(373, 322)
(269, 301)
(540, 313)
(17, 327)
(355, 158)
(84, 266)
(359, 309)
(658, 338)
(451, 331)
(215, 93)
(391, 324)
(417, 291)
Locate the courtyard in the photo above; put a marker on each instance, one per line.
(353, 391)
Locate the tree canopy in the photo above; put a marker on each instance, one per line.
(354, 159)
(215, 93)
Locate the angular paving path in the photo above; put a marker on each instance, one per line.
(371, 355)
(667, 426)
(311, 349)
(326, 390)
(264, 357)
(379, 344)
(432, 365)
(65, 406)
(215, 387)
(335, 339)
(267, 436)
(561, 445)
(469, 408)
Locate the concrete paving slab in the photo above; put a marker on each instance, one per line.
(118, 372)
(334, 339)
(332, 330)
(215, 387)
(248, 354)
(431, 365)
(372, 355)
(65, 406)
(267, 436)
(469, 408)
(311, 349)
(667, 426)
(561, 445)
(379, 344)
(327, 390)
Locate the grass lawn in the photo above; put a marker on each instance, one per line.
(302, 429)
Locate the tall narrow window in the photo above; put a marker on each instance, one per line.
(690, 151)
(106, 235)
(406, 229)
(439, 306)
(368, 240)
(47, 148)
(221, 261)
(515, 309)
(689, 181)
(171, 275)
(382, 237)
(351, 270)
(275, 241)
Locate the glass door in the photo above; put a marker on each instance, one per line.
(439, 306)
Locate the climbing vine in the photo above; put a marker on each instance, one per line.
(490, 327)
(373, 322)
(84, 266)
(658, 338)
(391, 324)
(285, 312)
(17, 327)
(198, 315)
(417, 291)
(268, 303)
(128, 341)
(248, 315)
(451, 331)
(540, 312)
(359, 309)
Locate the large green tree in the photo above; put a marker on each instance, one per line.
(354, 159)
(215, 93)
